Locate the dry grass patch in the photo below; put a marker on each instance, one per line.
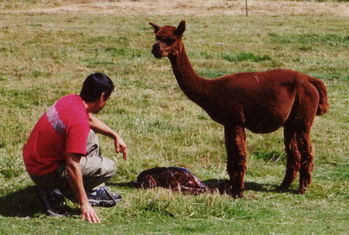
(182, 7)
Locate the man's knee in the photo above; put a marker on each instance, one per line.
(108, 167)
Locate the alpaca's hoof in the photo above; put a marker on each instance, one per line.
(237, 195)
(282, 188)
(301, 191)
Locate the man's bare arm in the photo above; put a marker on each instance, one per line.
(100, 127)
(76, 183)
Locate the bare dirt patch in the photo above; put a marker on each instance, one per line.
(195, 7)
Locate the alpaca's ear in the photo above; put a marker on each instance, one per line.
(155, 26)
(180, 29)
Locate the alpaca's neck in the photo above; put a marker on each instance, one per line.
(191, 84)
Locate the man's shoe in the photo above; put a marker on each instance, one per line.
(102, 197)
(53, 201)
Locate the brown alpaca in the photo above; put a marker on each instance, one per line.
(259, 101)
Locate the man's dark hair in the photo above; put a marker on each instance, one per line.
(94, 85)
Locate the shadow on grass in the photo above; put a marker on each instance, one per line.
(222, 186)
(130, 184)
(21, 203)
(25, 203)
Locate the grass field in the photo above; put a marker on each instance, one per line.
(47, 49)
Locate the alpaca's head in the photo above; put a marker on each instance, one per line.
(169, 40)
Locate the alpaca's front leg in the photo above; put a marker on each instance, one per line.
(235, 142)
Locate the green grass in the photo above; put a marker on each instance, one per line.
(244, 56)
(45, 56)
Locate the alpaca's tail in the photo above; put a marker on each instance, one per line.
(323, 103)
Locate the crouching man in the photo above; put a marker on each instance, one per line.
(62, 154)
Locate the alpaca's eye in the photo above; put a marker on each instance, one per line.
(168, 41)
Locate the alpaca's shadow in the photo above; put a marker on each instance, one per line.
(24, 203)
(221, 186)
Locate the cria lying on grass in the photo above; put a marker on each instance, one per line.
(175, 178)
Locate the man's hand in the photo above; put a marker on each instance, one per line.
(88, 213)
(120, 147)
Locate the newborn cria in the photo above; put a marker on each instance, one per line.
(175, 178)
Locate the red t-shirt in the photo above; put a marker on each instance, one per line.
(62, 129)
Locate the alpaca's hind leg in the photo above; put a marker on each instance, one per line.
(305, 149)
(235, 141)
(308, 102)
(293, 156)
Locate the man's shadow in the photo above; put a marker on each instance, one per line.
(21, 203)
(24, 203)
